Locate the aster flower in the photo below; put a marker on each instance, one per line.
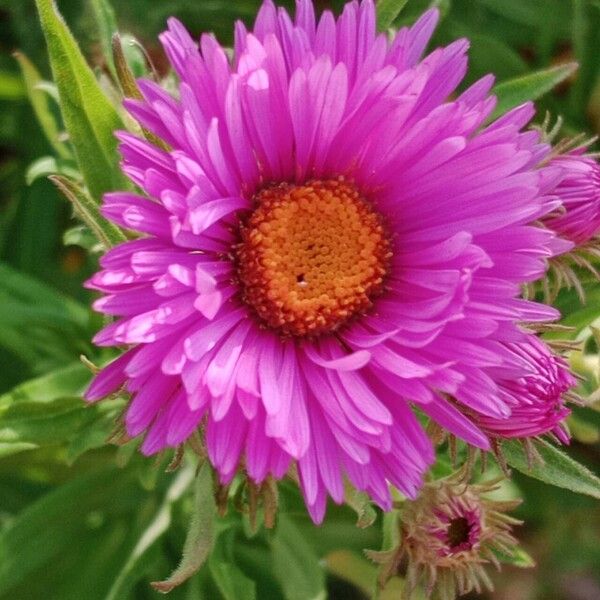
(328, 243)
(448, 536)
(578, 219)
(537, 399)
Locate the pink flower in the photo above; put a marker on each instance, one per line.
(448, 537)
(457, 528)
(329, 243)
(536, 399)
(578, 219)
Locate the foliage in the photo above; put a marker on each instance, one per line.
(82, 518)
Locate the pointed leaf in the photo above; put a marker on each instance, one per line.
(81, 235)
(230, 579)
(39, 423)
(532, 86)
(128, 84)
(391, 530)
(9, 448)
(89, 117)
(11, 86)
(24, 290)
(201, 534)
(139, 558)
(517, 11)
(124, 74)
(136, 57)
(584, 431)
(60, 526)
(87, 210)
(48, 410)
(388, 11)
(49, 88)
(519, 558)
(104, 15)
(50, 165)
(41, 105)
(44, 328)
(232, 582)
(295, 564)
(361, 504)
(67, 382)
(576, 315)
(558, 468)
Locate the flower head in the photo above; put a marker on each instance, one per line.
(537, 399)
(578, 219)
(327, 243)
(448, 536)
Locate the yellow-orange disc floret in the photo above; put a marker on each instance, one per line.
(311, 256)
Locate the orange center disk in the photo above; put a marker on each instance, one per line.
(312, 256)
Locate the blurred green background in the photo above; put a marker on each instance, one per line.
(90, 530)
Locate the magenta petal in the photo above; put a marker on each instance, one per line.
(350, 362)
(451, 419)
(110, 378)
(470, 211)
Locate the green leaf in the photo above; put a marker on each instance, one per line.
(81, 236)
(67, 382)
(95, 429)
(11, 86)
(519, 558)
(72, 543)
(49, 410)
(489, 54)
(362, 505)
(89, 117)
(9, 448)
(38, 96)
(41, 423)
(26, 290)
(558, 468)
(104, 15)
(128, 84)
(443, 6)
(52, 529)
(575, 314)
(388, 11)
(140, 556)
(201, 534)
(359, 571)
(295, 564)
(44, 328)
(49, 88)
(532, 86)
(87, 210)
(518, 11)
(230, 579)
(135, 56)
(124, 75)
(49, 165)
(582, 431)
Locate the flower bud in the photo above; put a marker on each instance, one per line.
(448, 537)
(578, 220)
(536, 399)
